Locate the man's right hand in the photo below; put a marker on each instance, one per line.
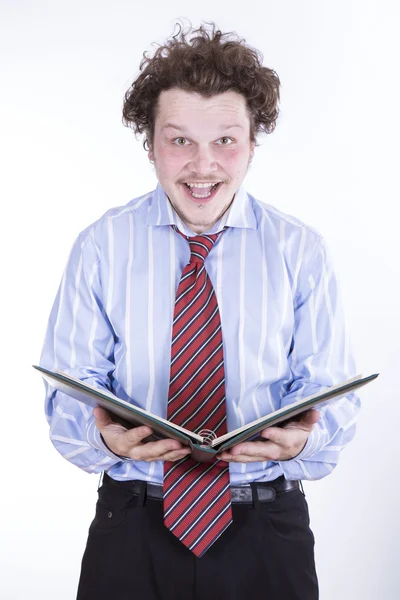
(128, 442)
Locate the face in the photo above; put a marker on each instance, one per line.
(201, 152)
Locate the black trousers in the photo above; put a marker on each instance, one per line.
(267, 552)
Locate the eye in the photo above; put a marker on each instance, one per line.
(224, 141)
(180, 141)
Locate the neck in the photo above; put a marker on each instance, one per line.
(199, 228)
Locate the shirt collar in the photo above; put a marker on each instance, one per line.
(240, 214)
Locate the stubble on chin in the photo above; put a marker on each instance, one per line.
(193, 224)
(202, 221)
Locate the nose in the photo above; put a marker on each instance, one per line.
(203, 161)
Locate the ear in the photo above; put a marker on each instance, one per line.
(148, 149)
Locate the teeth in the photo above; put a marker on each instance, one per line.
(200, 185)
(198, 195)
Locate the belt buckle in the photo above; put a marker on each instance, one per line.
(241, 494)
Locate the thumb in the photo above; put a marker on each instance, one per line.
(102, 417)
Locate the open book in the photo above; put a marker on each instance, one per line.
(204, 445)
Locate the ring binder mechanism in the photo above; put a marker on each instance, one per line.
(208, 436)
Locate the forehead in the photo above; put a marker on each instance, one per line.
(181, 108)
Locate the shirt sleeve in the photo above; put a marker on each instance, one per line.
(320, 357)
(80, 341)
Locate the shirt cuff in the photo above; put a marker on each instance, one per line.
(95, 439)
(313, 445)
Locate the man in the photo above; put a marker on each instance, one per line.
(202, 305)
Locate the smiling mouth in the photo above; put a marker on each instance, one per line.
(208, 190)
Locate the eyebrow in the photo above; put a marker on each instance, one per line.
(182, 128)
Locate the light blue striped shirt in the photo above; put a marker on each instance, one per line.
(283, 328)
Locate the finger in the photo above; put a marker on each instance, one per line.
(279, 435)
(155, 450)
(102, 417)
(137, 434)
(310, 417)
(176, 454)
(306, 421)
(274, 435)
(261, 450)
(241, 458)
(226, 456)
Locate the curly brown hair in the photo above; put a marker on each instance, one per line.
(208, 62)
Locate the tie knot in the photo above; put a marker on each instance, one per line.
(200, 246)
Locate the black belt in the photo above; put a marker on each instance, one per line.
(266, 490)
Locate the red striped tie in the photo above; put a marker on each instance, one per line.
(197, 502)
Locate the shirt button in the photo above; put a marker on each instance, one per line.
(109, 515)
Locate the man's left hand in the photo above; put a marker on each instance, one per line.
(281, 443)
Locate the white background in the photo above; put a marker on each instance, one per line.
(66, 158)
